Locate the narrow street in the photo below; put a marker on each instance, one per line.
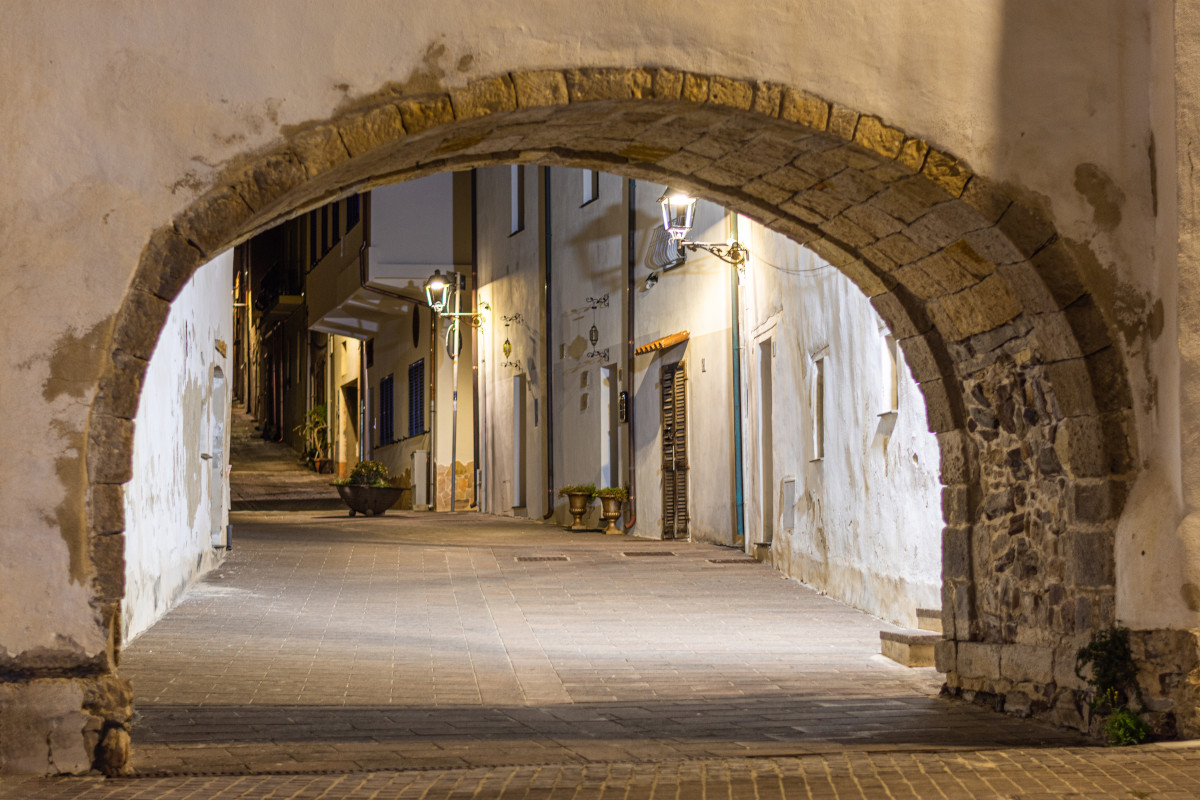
(421, 655)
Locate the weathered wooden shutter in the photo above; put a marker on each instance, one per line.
(674, 452)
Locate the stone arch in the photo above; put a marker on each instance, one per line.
(1024, 386)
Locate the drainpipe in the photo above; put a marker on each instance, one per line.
(629, 354)
(475, 442)
(548, 372)
(736, 381)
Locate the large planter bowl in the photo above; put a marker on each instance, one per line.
(370, 500)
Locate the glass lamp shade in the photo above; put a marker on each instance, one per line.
(678, 210)
(438, 290)
(594, 335)
(507, 347)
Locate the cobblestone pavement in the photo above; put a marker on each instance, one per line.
(418, 655)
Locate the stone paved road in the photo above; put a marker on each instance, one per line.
(437, 640)
(444, 656)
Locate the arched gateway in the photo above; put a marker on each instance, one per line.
(1024, 387)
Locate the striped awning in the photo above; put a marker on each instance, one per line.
(663, 343)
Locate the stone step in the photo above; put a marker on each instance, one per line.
(929, 619)
(910, 648)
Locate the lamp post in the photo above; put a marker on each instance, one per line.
(443, 292)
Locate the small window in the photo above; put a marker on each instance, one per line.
(416, 397)
(591, 186)
(387, 410)
(818, 409)
(370, 353)
(353, 211)
(336, 211)
(516, 183)
(324, 230)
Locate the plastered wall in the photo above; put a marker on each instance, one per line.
(178, 497)
(866, 524)
(1070, 106)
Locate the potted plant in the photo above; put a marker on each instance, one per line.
(579, 496)
(313, 430)
(369, 490)
(611, 500)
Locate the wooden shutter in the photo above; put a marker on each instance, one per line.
(674, 452)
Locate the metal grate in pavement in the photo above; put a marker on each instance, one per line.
(541, 558)
(732, 561)
(641, 553)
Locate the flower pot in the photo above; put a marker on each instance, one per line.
(579, 502)
(610, 510)
(370, 500)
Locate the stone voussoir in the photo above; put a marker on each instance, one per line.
(540, 88)
(379, 126)
(214, 220)
(106, 509)
(109, 449)
(483, 97)
(167, 263)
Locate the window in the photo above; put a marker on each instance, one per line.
(337, 224)
(370, 354)
(416, 397)
(353, 211)
(387, 410)
(591, 186)
(818, 409)
(516, 183)
(324, 230)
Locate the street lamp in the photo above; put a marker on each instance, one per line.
(679, 210)
(444, 292)
(438, 289)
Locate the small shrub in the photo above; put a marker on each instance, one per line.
(581, 488)
(1124, 728)
(1114, 674)
(614, 491)
(369, 473)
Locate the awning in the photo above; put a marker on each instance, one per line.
(663, 343)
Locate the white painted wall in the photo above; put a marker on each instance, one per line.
(867, 517)
(510, 281)
(175, 503)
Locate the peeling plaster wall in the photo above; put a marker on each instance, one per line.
(1056, 102)
(867, 519)
(169, 509)
(149, 107)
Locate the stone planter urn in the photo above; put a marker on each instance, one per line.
(579, 502)
(610, 508)
(369, 500)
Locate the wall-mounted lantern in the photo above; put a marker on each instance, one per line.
(679, 210)
(438, 289)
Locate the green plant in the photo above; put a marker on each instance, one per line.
(578, 488)
(369, 473)
(620, 493)
(313, 430)
(1124, 728)
(1114, 674)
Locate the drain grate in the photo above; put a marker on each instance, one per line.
(541, 558)
(643, 553)
(732, 561)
